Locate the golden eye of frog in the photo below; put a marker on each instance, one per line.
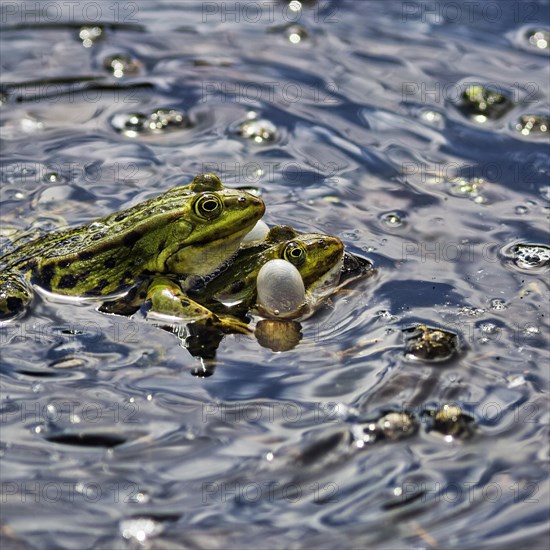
(189, 230)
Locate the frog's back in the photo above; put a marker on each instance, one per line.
(188, 230)
(96, 258)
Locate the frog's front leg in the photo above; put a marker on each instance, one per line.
(167, 298)
(15, 295)
(128, 304)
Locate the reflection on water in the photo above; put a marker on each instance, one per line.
(418, 135)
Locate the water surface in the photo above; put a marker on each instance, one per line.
(360, 134)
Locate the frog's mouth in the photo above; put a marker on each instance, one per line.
(326, 283)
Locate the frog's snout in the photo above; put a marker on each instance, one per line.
(251, 201)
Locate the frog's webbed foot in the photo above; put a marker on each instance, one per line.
(15, 296)
(169, 303)
(128, 304)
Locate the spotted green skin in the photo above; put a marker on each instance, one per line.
(188, 230)
(314, 255)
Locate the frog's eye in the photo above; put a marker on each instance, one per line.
(208, 206)
(294, 253)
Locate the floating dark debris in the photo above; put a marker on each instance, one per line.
(481, 103)
(82, 439)
(430, 343)
(390, 426)
(451, 421)
(259, 130)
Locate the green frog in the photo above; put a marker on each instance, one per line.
(189, 230)
(317, 258)
(224, 298)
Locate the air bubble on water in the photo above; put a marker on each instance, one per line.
(31, 125)
(515, 380)
(351, 235)
(520, 210)
(130, 124)
(259, 130)
(140, 529)
(489, 328)
(498, 305)
(392, 219)
(141, 497)
(294, 6)
(385, 315)
(529, 256)
(533, 124)
(51, 411)
(52, 177)
(470, 188)
(156, 122)
(531, 330)
(296, 33)
(89, 35)
(121, 65)
(431, 116)
(470, 311)
(166, 118)
(538, 38)
(488, 332)
(342, 410)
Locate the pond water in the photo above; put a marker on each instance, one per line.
(349, 118)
